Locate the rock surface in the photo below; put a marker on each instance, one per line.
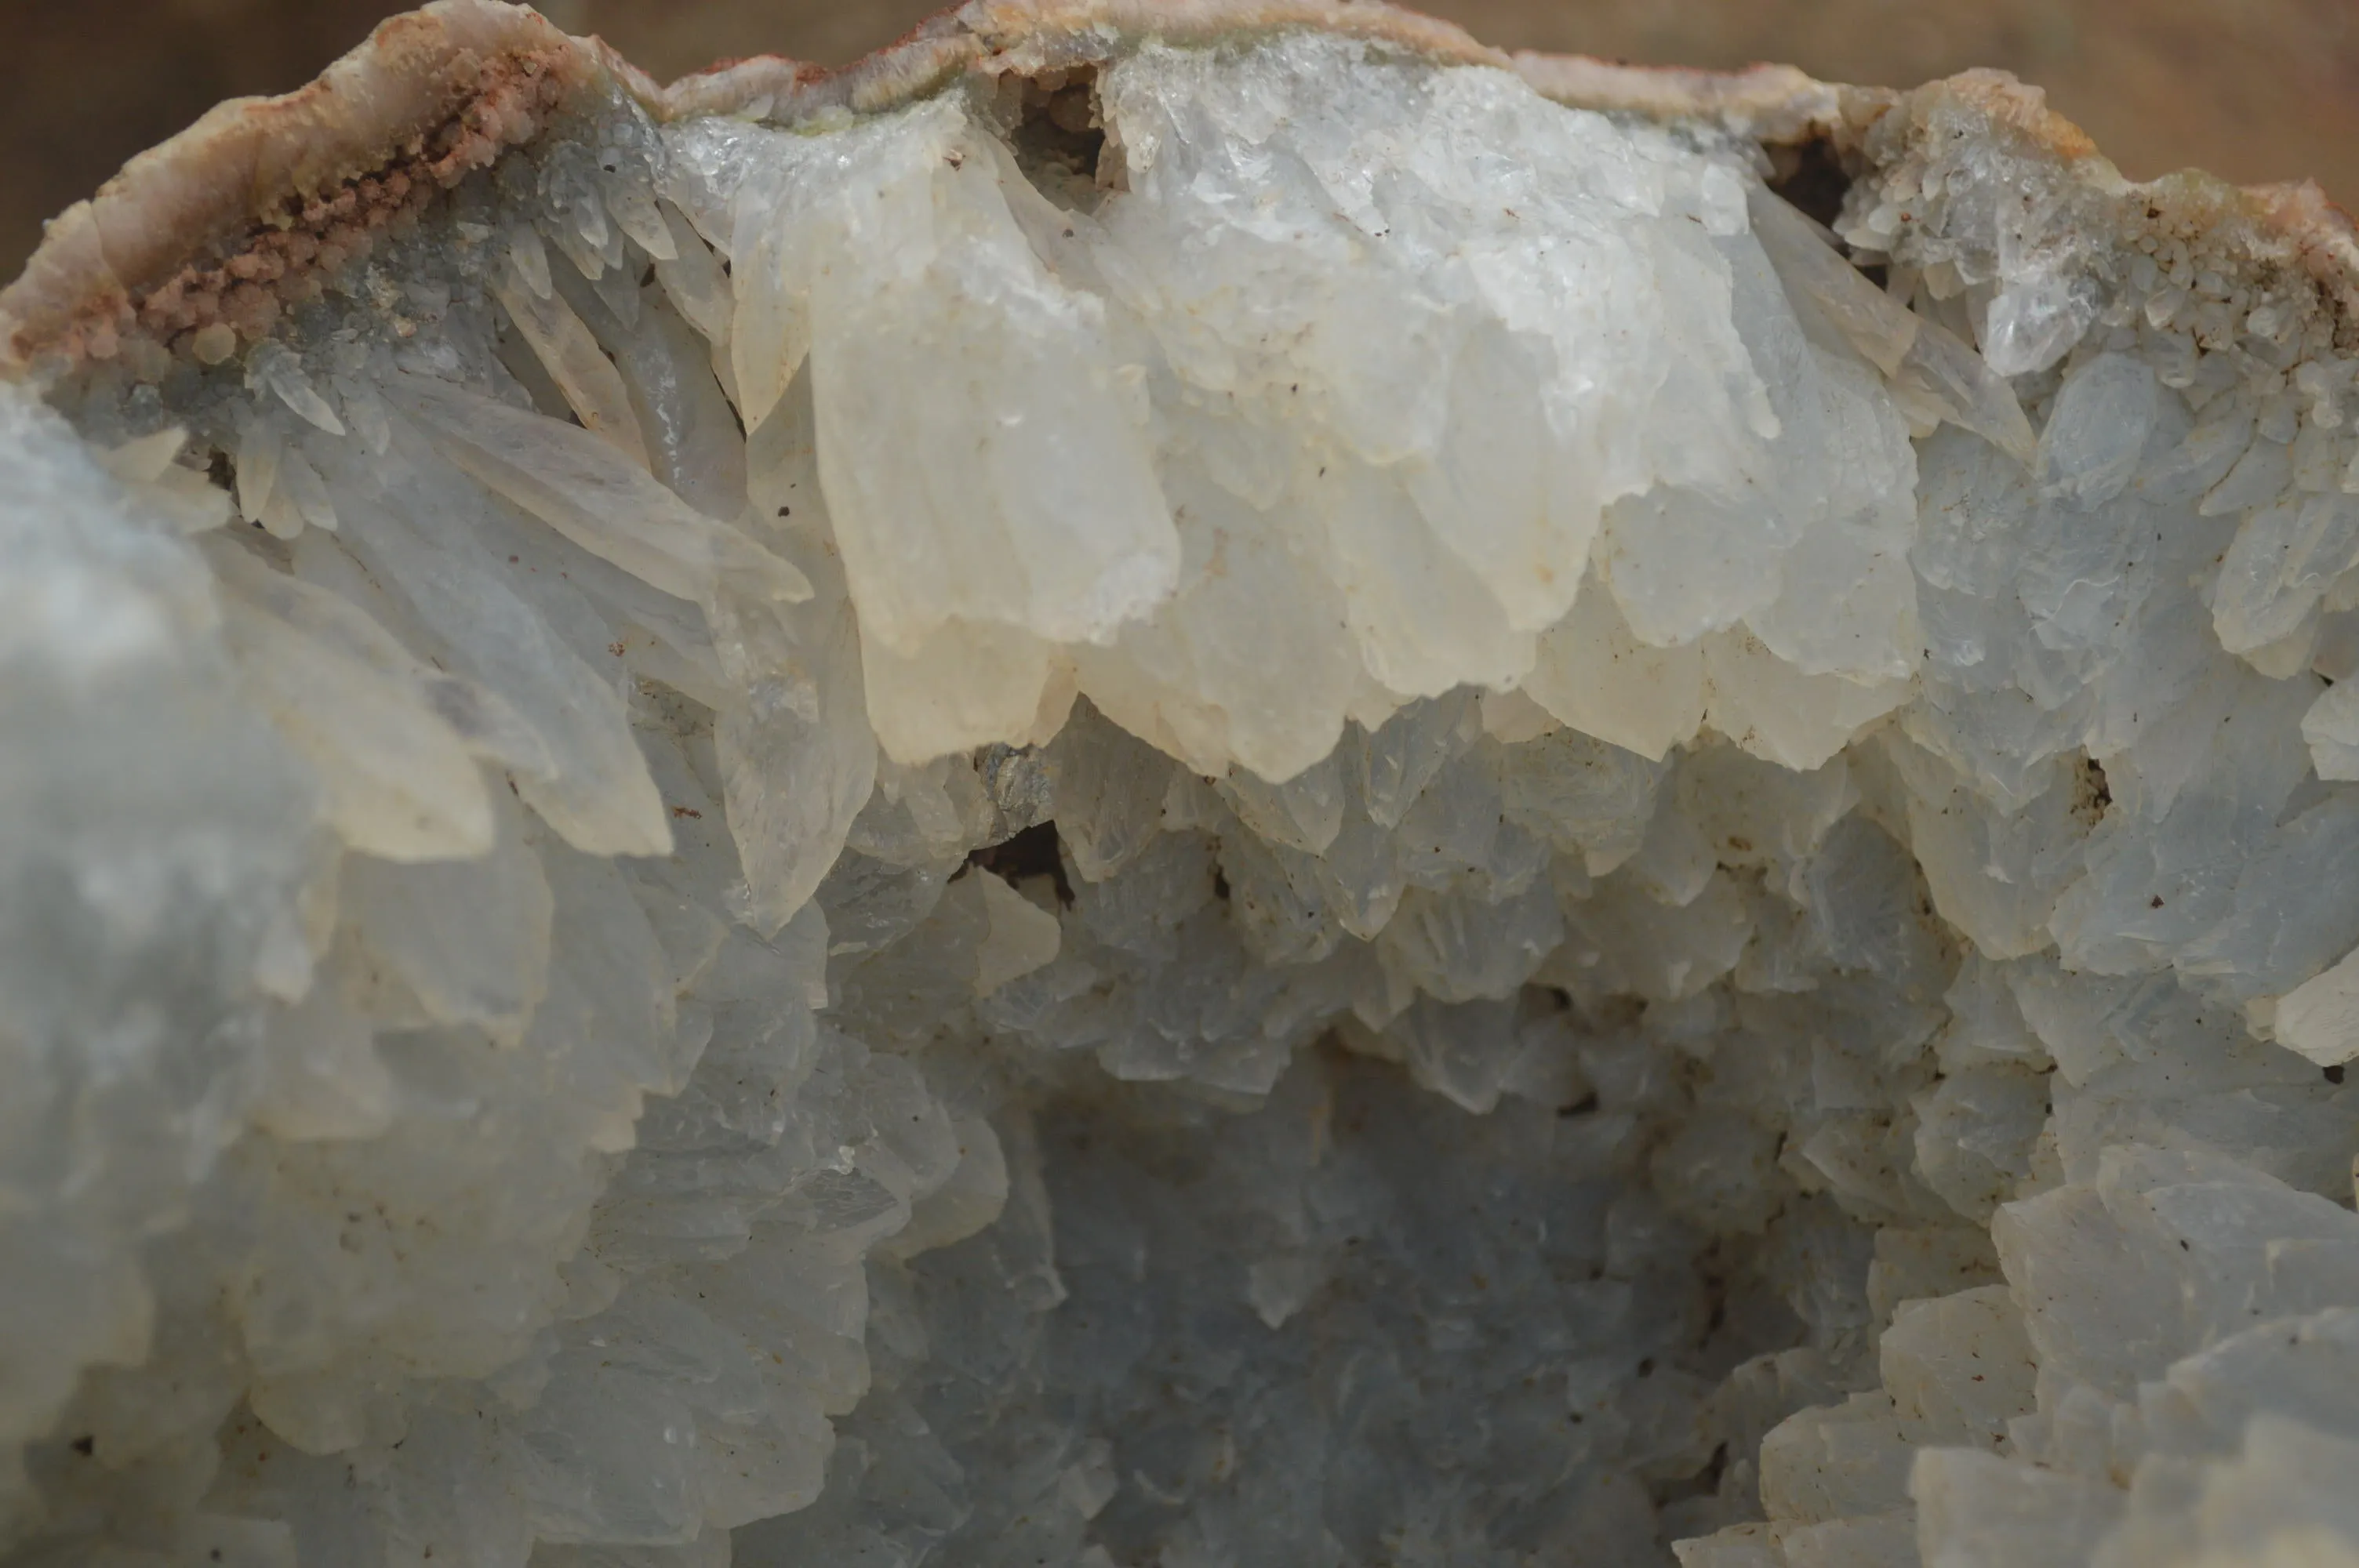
(1183, 785)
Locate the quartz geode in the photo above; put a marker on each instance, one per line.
(1174, 786)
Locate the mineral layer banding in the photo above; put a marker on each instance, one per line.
(1170, 786)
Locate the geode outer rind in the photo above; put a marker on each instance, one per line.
(465, 76)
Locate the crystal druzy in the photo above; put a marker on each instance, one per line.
(1174, 786)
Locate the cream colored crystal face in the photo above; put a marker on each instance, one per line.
(1187, 786)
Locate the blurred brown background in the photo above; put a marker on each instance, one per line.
(2255, 90)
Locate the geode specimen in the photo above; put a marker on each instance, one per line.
(1179, 785)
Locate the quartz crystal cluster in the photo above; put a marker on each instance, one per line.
(1199, 789)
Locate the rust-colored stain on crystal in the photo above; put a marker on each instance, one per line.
(215, 232)
(2256, 90)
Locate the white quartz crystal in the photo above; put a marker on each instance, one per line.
(1373, 827)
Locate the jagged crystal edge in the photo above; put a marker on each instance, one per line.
(579, 979)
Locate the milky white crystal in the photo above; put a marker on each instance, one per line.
(1376, 825)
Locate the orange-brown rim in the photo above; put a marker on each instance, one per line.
(220, 224)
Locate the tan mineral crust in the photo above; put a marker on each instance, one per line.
(1174, 786)
(253, 191)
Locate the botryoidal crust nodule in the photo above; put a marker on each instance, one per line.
(1182, 784)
